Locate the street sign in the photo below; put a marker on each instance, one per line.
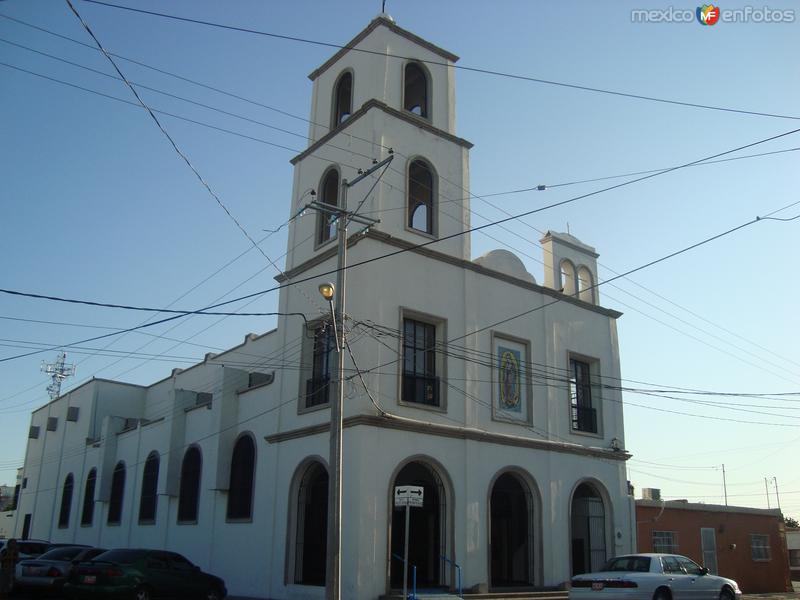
(409, 495)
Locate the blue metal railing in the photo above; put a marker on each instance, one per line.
(458, 570)
(413, 594)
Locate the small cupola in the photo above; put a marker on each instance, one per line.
(570, 266)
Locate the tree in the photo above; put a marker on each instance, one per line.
(790, 522)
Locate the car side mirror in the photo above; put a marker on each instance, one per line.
(703, 570)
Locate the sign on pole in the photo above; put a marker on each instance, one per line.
(409, 495)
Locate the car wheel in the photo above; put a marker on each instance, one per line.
(662, 594)
(213, 594)
(142, 593)
(726, 594)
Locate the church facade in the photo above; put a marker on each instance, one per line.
(498, 395)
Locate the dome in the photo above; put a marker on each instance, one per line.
(506, 262)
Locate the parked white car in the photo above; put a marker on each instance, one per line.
(653, 577)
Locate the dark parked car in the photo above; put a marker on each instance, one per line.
(32, 548)
(51, 570)
(143, 575)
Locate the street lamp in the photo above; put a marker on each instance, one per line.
(328, 290)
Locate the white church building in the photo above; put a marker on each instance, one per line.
(496, 394)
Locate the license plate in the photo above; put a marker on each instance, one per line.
(597, 586)
(89, 579)
(28, 571)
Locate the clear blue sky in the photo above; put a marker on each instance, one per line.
(96, 204)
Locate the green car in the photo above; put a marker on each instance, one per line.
(140, 574)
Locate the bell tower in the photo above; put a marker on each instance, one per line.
(386, 92)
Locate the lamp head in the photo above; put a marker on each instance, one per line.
(327, 290)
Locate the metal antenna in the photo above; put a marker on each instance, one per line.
(58, 372)
(383, 6)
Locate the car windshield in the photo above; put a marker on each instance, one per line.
(67, 553)
(639, 564)
(123, 556)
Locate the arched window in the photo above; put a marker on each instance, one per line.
(240, 493)
(567, 277)
(311, 537)
(117, 493)
(189, 495)
(66, 501)
(585, 289)
(326, 223)
(149, 499)
(421, 185)
(87, 514)
(415, 90)
(342, 99)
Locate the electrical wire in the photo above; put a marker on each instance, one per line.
(448, 64)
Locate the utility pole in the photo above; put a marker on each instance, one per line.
(766, 489)
(777, 495)
(58, 372)
(724, 485)
(333, 589)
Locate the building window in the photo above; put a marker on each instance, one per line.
(117, 493)
(240, 490)
(584, 416)
(326, 223)
(189, 494)
(87, 514)
(759, 547)
(342, 99)
(421, 185)
(323, 353)
(66, 501)
(794, 558)
(415, 92)
(665, 542)
(149, 498)
(420, 383)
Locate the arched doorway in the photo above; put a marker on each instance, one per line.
(426, 531)
(511, 536)
(311, 533)
(588, 526)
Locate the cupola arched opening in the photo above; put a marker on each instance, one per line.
(585, 284)
(568, 283)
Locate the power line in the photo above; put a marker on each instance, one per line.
(450, 65)
(172, 142)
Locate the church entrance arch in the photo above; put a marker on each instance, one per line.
(428, 528)
(511, 518)
(588, 529)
